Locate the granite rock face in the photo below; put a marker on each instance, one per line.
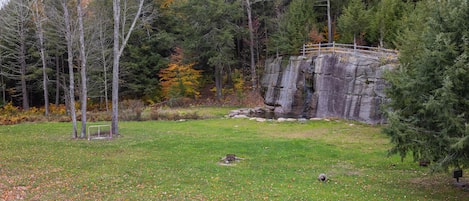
(330, 85)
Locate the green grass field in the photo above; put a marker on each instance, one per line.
(178, 160)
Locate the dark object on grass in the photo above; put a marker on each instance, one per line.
(230, 158)
(457, 173)
(424, 162)
(322, 177)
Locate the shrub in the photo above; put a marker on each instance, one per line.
(10, 109)
(131, 110)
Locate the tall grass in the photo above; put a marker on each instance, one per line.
(174, 160)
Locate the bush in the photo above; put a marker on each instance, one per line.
(131, 110)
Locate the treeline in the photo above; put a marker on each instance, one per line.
(220, 43)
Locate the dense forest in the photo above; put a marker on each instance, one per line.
(175, 48)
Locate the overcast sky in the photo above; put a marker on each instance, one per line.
(2, 2)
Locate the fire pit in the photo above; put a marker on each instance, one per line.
(229, 159)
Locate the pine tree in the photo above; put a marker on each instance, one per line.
(385, 21)
(209, 35)
(353, 22)
(429, 97)
(294, 27)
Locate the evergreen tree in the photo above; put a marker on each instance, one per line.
(353, 22)
(147, 52)
(294, 27)
(16, 25)
(210, 35)
(385, 22)
(429, 97)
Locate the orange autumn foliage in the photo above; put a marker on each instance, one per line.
(316, 37)
(179, 80)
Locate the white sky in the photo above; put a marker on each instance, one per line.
(2, 2)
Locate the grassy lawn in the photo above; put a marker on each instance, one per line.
(177, 160)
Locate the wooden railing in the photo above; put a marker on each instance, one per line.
(324, 48)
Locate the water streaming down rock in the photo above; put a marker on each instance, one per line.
(346, 86)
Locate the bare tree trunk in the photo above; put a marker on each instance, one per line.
(132, 27)
(22, 57)
(381, 37)
(84, 90)
(115, 69)
(66, 98)
(103, 57)
(117, 52)
(68, 37)
(40, 33)
(218, 81)
(251, 46)
(22, 51)
(3, 84)
(57, 85)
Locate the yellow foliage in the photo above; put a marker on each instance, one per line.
(238, 81)
(180, 80)
(57, 109)
(10, 109)
(166, 3)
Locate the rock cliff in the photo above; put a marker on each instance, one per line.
(348, 86)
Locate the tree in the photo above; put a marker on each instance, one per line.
(84, 90)
(69, 39)
(211, 41)
(118, 48)
(428, 93)
(251, 45)
(385, 21)
(354, 21)
(54, 32)
(15, 23)
(179, 79)
(294, 27)
(39, 17)
(99, 49)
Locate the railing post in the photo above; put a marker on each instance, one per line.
(304, 49)
(354, 47)
(333, 46)
(343, 47)
(319, 49)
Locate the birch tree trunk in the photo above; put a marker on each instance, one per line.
(117, 52)
(105, 66)
(57, 83)
(115, 68)
(69, 39)
(84, 90)
(38, 18)
(251, 46)
(22, 60)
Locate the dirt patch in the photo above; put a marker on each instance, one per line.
(441, 182)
